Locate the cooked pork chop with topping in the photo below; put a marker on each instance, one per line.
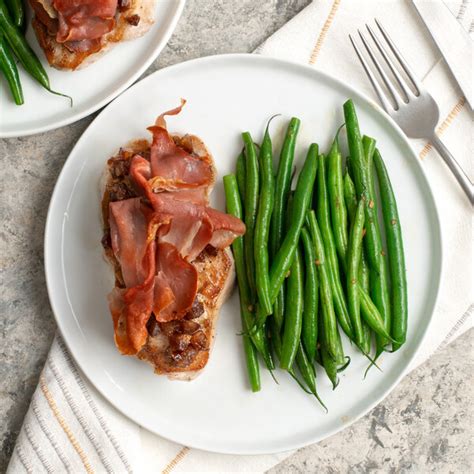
(169, 250)
(74, 33)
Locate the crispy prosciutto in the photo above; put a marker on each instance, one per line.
(84, 19)
(158, 233)
(175, 284)
(132, 231)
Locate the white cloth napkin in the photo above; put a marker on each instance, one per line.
(69, 427)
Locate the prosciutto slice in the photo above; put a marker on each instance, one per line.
(175, 284)
(188, 224)
(132, 231)
(173, 168)
(191, 227)
(84, 19)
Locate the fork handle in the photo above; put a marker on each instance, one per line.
(455, 168)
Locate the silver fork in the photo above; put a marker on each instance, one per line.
(416, 113)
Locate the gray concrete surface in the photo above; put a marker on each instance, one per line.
(425, 425)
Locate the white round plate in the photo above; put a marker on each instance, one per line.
(91, 87)
(217, 412)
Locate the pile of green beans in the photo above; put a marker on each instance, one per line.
(13, 44)
(312, 263)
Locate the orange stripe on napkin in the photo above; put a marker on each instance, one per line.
(324, 31)
(64, 426)
(175, 461)
(444, 125)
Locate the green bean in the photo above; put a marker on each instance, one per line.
(23, 51)
(293, 313)
(311, 294)
(283, 184)
(369, 147)
(234, 207)
(276, 324)
(308, 373)
(364, 283)
(252, 186)
(330, 366)
(336, 200)
(262, 224)
(364, 273)
(328, 362)
(276, 344)
(17, 13)
(241, 174)
(351, 203)
(372, 241)
(278, 318)
(284, 257)
(350, 197)
(322, 212)
(379, 289)
(372, 316)
(279, 307)
(368, 144)
(353, 264)
(329, 321)
(10, 71)
(253, 369)
(396, 254)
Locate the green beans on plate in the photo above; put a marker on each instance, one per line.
(314, 257)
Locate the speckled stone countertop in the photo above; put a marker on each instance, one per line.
(425, 425)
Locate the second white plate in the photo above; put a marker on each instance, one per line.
(91, 87)
(217, 412)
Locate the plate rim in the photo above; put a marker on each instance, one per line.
(436, 223)
(131, 79)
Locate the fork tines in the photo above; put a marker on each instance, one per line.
(397, 99)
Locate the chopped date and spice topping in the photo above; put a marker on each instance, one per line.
(196, 310)
(133, 20)
(181, 334)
